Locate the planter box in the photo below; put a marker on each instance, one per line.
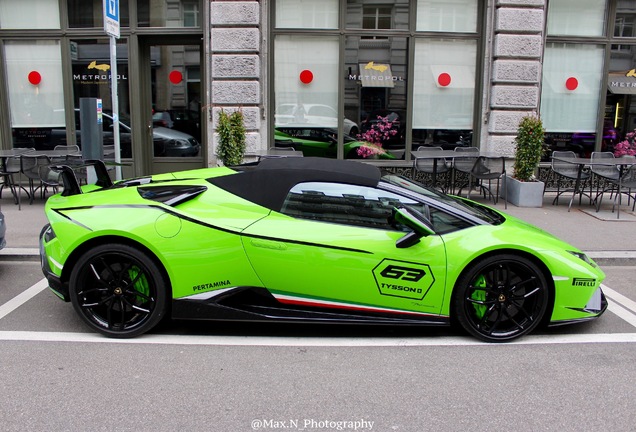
(524, 194)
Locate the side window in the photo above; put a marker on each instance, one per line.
(345, 204)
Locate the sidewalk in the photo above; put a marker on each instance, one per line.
(608, 240)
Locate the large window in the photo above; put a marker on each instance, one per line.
(577, 17)
(574, 84)
(34, 80)
(31, 14)
(307, 14)
(306, 83)
(446, 80)
(570, 95)
(90, 13)
(382, 48)
(447, 15)
(168, 13)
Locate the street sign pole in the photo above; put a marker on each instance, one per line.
(115, 101)
(111, 27)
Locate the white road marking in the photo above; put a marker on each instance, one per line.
(283, 341)
(619, 298)
(618, 304)
(621, 312)
(22, 298)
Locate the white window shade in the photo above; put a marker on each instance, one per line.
(576, 17)
(307, 14)
(314, 59)
(38, 104)
(573, 107)
(447, 15)
(29, 14)
(444, 85)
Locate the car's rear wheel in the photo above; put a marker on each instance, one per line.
(500, 298)
(118, 290)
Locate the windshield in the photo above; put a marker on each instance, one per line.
(477, 210)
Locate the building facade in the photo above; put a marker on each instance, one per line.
(429, 72)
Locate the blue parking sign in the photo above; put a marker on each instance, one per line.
(112, 9)
(111, 17)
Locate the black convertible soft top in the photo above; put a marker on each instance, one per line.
(268, 182)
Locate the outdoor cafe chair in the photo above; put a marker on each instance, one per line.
(627, 183)
(566, 173)
(433, 166)
(604, 175)
(487, 169)
(9, 168)
(30, 167)
(463, 165)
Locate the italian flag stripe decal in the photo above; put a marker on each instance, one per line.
(300, 301)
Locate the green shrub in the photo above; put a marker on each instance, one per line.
(529, 141)
(231, 130)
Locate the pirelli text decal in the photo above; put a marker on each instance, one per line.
(584, 282)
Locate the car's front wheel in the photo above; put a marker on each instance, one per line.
(500, 298)
(118, 290)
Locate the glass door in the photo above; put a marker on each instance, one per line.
(171, 97)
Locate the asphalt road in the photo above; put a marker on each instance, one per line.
(57, 375)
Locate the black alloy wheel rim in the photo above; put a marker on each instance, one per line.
(505, 300)
(116, 292)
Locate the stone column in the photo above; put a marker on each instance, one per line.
(515, 81)
(235, 33)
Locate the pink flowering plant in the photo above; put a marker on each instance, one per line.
(373, 138)
(627, 147)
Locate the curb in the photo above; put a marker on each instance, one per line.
(613, 258)
(602, 258)
(20, 254)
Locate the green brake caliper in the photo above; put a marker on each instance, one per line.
(141, 283)
(479, 295)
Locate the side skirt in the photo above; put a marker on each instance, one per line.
(258, 304)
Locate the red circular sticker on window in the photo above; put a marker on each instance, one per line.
(175, 77)
(306, 76)
(444, 79)
(35, 78)
(571, 83)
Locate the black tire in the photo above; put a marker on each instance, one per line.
(500, 298)
(353, 132)
(118, 290)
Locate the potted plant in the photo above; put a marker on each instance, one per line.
(231, 130)
(523, 188)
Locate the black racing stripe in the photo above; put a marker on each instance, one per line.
(207, 225)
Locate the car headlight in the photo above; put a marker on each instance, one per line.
(177, 143)
(583, 257)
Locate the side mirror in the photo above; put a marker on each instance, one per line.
(420, 226)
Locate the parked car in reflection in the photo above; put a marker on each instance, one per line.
(166, 142)
(312, 114)
(322, 142)
(183, 120)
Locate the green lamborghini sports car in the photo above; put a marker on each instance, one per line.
(323, 142)
(304, 240)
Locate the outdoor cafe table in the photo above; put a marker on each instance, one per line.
(436, 155)
(621, 163)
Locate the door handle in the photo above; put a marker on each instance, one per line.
(268, 244)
